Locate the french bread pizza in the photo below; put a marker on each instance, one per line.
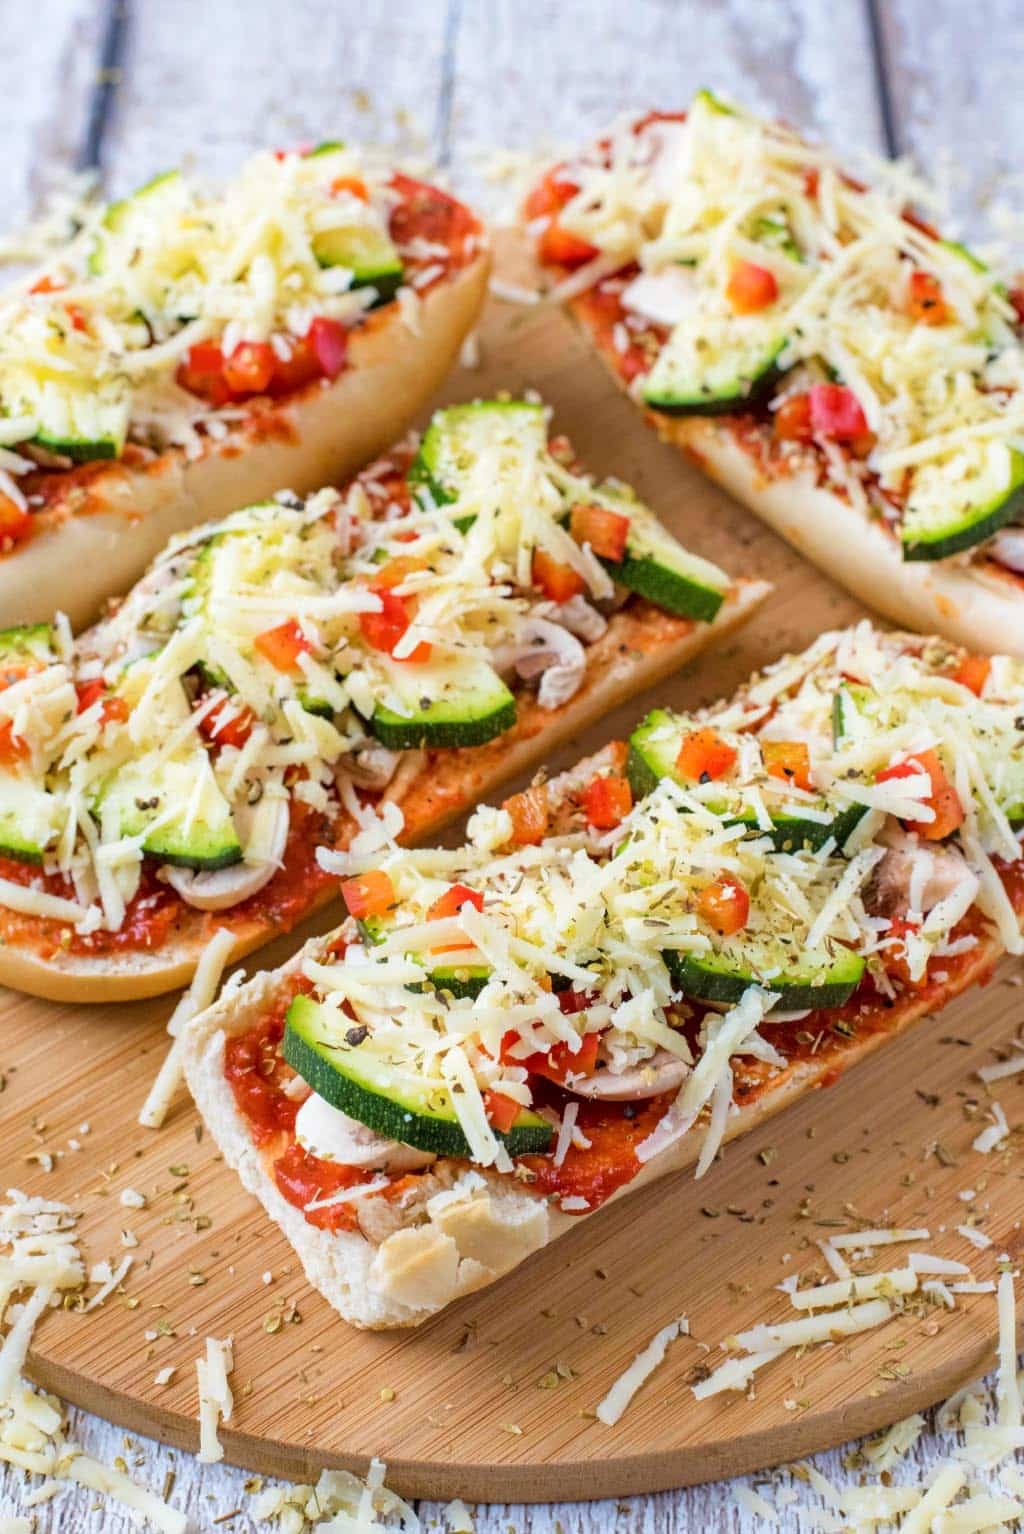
(190, 351)
(622, 969)
(305, 671)
(815, 346)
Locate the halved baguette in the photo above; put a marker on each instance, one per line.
(641, 645)
(971, 604)
(106, 522)
(468, 1227)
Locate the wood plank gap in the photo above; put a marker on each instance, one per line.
(104, 91)
(443, 126)
(883, 89)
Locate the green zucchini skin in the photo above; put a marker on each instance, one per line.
(666, 588)
(360, 1089)
(647, 764)
(976, 525)
(401, 734)
(717, 977)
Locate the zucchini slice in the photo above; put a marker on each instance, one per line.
(657, 567)
(383, 1090)
(77, 423)
(29, 819)
(124, 217)
(799, 980)
(368, 253)
(653, 751)
(176, 807)
(456, 702)
(714, 364)
(459, 981)
(28, 647)
(956, 504)
(457, 436)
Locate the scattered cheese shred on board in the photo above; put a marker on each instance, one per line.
(1004, 1068)
(871, 1286)
(993, 1134)
(216, 1402)
(42, 1257)
(865, 1238)
(642, 1367)
(341, 1502)
(895, 1443)
(200, 995)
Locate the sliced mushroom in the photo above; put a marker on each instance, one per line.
(576, 615)
(325, 1131)
(544, 649)
(943, 870)
(263, 829)
(1007, 548)
(371, 766)
(663, 1072)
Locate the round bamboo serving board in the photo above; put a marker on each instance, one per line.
(494, 1400)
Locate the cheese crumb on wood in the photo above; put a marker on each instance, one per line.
(216, 1402)
(643, 1366)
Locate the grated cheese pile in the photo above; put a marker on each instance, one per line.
(42, 1259)
(601, 919)
(978, 1488)
(239, 679)
(90, 346)
(940, 388)
(340, 1501)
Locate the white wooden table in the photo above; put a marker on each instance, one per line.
(133, 86)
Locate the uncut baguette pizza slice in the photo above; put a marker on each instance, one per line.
(622, 969)
(190, 350)
(813, 345)
(280, 676)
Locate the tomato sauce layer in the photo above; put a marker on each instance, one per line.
(258, 1077)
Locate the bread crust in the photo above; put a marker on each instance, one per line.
(99, 537)
(346, 1267)
(965, 603)
(959, 601)
(639, 648)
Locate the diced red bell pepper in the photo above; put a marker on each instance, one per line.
(943, 799)
(283, 645)
(606, 531)
(559, 582)
(12, 747)
(450, 904)
(973, 672)
(368, 894)
(556, 246)
(529, 815)
(329, 340)
(396, 571)
(382, 630)
(250, 367)
(607, 802)
(836, 413)
(355, 185)
(227, 725)
(792, 421)
(704, 756)
(501, 1111)
(788, 760)
(202, 373)
(15, 522)
(114, 708)
(925, 301)
(452, 901)
(725, 905)
(561, 1061)
(1016, 297)
(750, 288)
(299, 368)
